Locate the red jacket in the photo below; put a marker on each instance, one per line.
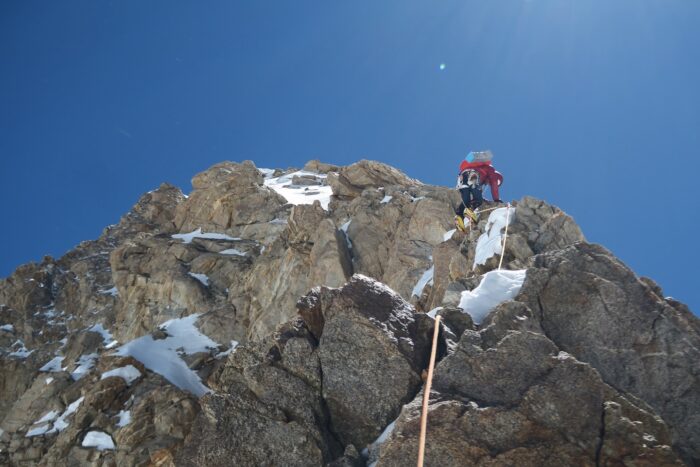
(487, 174)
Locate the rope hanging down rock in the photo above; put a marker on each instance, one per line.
(505, 236)
(426, 395)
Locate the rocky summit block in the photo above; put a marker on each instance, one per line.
(293, 305)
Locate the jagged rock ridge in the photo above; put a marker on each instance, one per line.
(247, 323)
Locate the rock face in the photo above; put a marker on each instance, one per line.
(256, 322)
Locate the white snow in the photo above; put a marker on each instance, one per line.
(378, 442)
(267, 173)
(85, 364)
(161, 356)
(225, 353)
(448, 235)
(298, 194)
(59, 424)
(38, 431)
(124, 418)
(386, 199)
(99, 440)
(489, 242)
(128, 373)
(49, 380)
(426, 278)
(203, 278)
(188, 237)
(106, 335)
(233, 251)
(7, 327)
(344, 228)
(113, 292)
(53, 365)
(47, 418)
(495, 287)
(22, 351)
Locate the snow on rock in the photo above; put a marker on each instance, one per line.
(38, 431)
(426, 278)
(489, 243)
(495, 287)
(344, 228)
(49, 380)
(98, 440)
(448, 235)
(85, 364)
(7, 327)
(53, 365)
(203, 278)
(106, 335)
(226, 353)
(298, 194)
(49, 417)
(128, 373)
(188, 237)
(59, 424)
(124, 418)
(22, 351)
(233, 251)
(386, 199)
(113, 292)
(381, 439)
(161, 356)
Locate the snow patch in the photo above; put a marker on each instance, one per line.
(85, 364)
(495, 287)
(38, 431)
(448, 235)
(188, 237)
(128, 373)
(124, 418)
(344, 228)
(386, 199)
(22, 351)
(426, 278)
(298, 194)
(49, 417)
(489, 243)
(233, 251)
(113, 292)
(226, 353)
(98, 440)
(106, 335)
(49, 380)
(53, 366)
(162, 356)
(203, 278)
(7, 327)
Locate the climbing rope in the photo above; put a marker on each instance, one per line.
(505, 236)
(426, 395)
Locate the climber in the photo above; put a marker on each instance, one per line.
(475, 172)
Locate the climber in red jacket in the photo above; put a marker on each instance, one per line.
(475, 172)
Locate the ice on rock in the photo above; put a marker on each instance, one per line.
(128, 373)
(188, 237)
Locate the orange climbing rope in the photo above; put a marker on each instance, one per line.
(426, 395)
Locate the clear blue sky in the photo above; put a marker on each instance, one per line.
(593, 105)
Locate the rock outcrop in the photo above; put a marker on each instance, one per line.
(284, 317)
